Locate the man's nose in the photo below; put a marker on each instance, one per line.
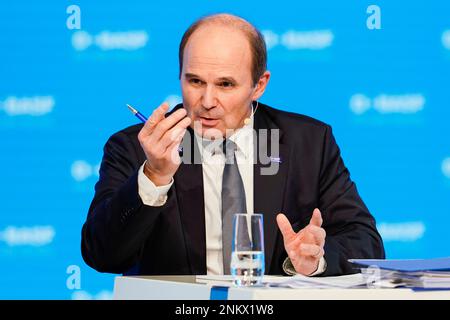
(209, 98)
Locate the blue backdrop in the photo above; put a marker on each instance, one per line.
(63, 93)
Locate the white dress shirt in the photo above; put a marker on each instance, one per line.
(213, 162)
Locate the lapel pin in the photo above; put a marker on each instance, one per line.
(275, 159)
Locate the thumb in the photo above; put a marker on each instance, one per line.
(285, 227)
(316, 218)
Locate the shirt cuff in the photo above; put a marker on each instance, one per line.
(150, 194)
(290, 270)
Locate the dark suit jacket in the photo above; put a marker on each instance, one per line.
(122, 235)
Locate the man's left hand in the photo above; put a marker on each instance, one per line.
(304, 248)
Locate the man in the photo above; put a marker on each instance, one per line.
(156, 213)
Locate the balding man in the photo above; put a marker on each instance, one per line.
(156, 211)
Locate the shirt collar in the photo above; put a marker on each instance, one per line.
(242, 137)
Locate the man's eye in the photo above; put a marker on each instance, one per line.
(226, 84)
(195, 81)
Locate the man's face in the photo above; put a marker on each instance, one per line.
(216, 79)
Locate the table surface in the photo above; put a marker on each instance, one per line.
(187, 288)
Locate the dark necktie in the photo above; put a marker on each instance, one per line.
(233, 200)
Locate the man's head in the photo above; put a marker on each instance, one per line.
(222, 70)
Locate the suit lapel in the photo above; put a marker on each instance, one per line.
(189, 190)
(270, 173)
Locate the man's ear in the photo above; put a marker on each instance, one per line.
(261, 85)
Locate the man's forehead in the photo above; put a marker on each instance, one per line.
(217, 70)
(218, 48)
(203, 62)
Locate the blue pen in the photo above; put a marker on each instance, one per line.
(139, 115)
(143, 118)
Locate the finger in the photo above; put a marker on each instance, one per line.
(294, 258)
(159, 147)
(293, 245)
(172, 149)
(162, 150)
(285, 228)
(306, 236)
(297, 247)
(153, 138)
(318, 234)
(164, 125)
(175, 137)
(170, 136)
(152, 121)
(310, 250)
(316, 218)
(303, 264)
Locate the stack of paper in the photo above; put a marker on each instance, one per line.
(303, 282)
(416, 273)
(297, 281)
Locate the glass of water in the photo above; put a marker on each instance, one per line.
(247, 250)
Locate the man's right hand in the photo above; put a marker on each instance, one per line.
(160, 138)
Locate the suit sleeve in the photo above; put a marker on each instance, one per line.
(351, 230)
(118, 223)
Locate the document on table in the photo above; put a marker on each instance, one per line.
(215, 280)
(406, 265)
(227, 280)
(411, 273)
(296, 282)
(300, 281)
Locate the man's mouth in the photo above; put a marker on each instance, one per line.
(209, 122)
